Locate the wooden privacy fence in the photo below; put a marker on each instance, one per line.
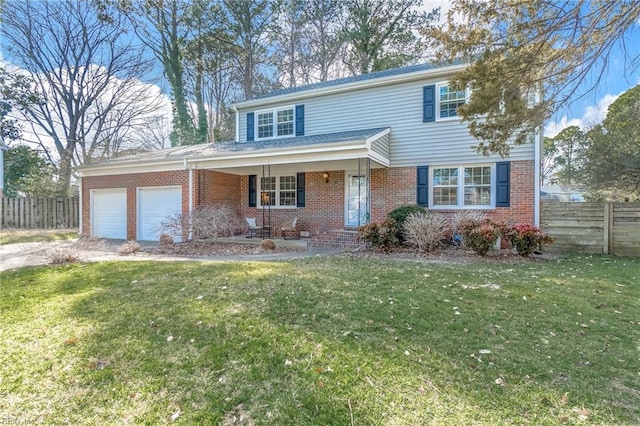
(609, 228)
(42, 213)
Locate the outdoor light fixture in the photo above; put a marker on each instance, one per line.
(325, 176)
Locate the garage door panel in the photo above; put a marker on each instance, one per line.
(156, 205)
(109, 213)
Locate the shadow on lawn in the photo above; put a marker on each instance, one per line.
(304, 343)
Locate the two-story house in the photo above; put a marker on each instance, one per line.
(335, 155)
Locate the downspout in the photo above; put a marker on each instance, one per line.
(80, 206)
(190, 200)
(237, 138)
(536, 185)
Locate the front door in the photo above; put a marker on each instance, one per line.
(356, 204)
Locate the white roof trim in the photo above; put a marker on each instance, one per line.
(302, 154)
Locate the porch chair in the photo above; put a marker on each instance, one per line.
(254, 229)
(290, 230)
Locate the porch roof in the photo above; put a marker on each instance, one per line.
(367, 143)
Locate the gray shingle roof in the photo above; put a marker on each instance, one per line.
(221, 148)
(362, 77)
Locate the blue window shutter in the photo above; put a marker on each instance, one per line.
(252, 190)
(300, 190)
(422, 198)
(503, 184)
(299, 120)
(250, 125)
(429, 103)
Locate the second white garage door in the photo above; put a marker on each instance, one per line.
(155, 205)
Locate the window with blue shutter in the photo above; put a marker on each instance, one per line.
(429, 103)
(250, 127)
(503, 177)
(299, 120)
(252, 190)
(300, 190)
(422, 198)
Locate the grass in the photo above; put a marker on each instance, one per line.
(13, 236)
(326, 341)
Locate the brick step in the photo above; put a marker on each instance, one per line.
(335, 239)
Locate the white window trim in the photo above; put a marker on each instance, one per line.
(460, 205)
(274, 113)
(437, 100)
(277, 206)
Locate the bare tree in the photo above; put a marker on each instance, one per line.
(163, 27)
(88, 73)
(323, 39)
(530, 59)
(247, 22)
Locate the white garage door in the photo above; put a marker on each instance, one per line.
(109, 213)
(155, 205)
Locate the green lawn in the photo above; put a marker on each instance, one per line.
(12, 236)
(326, 341)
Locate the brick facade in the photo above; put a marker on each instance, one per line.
(325, 201)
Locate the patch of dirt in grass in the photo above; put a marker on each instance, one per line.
(213, 248)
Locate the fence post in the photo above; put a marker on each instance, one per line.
(607, 243)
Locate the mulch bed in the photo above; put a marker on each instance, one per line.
(451, 254)
(213, 248)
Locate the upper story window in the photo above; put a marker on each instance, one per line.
(462, 187)
(275, 123)
(449, 100)
(265, 125)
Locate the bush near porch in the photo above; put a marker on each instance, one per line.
(335, 340)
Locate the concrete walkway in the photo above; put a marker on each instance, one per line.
(19, 255)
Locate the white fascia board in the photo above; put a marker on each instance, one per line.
(301, 156)
(356, 85)
(129, 168)
(377, 136)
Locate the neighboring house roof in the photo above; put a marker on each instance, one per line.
(367, 142)
(358, 81)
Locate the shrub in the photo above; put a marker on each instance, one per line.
(61, 254)
(129, 247)
(527, 238)
(461, 217)
(400, 214)
(166, 239)
(268, 245)
(480, 235)
(425, 230)
(204, 222)
(382, 237)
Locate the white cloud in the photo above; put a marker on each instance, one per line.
(592, 115)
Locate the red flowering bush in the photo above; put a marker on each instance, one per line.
(479, 235)
(527, 238)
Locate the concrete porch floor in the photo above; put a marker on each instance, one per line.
(242, 239)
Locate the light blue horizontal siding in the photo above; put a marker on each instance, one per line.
(399, 107)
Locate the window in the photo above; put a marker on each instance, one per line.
(449, 100)
(462, 187)
(278, 191)
(274, 123)
(265, 125)
(285, 122)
